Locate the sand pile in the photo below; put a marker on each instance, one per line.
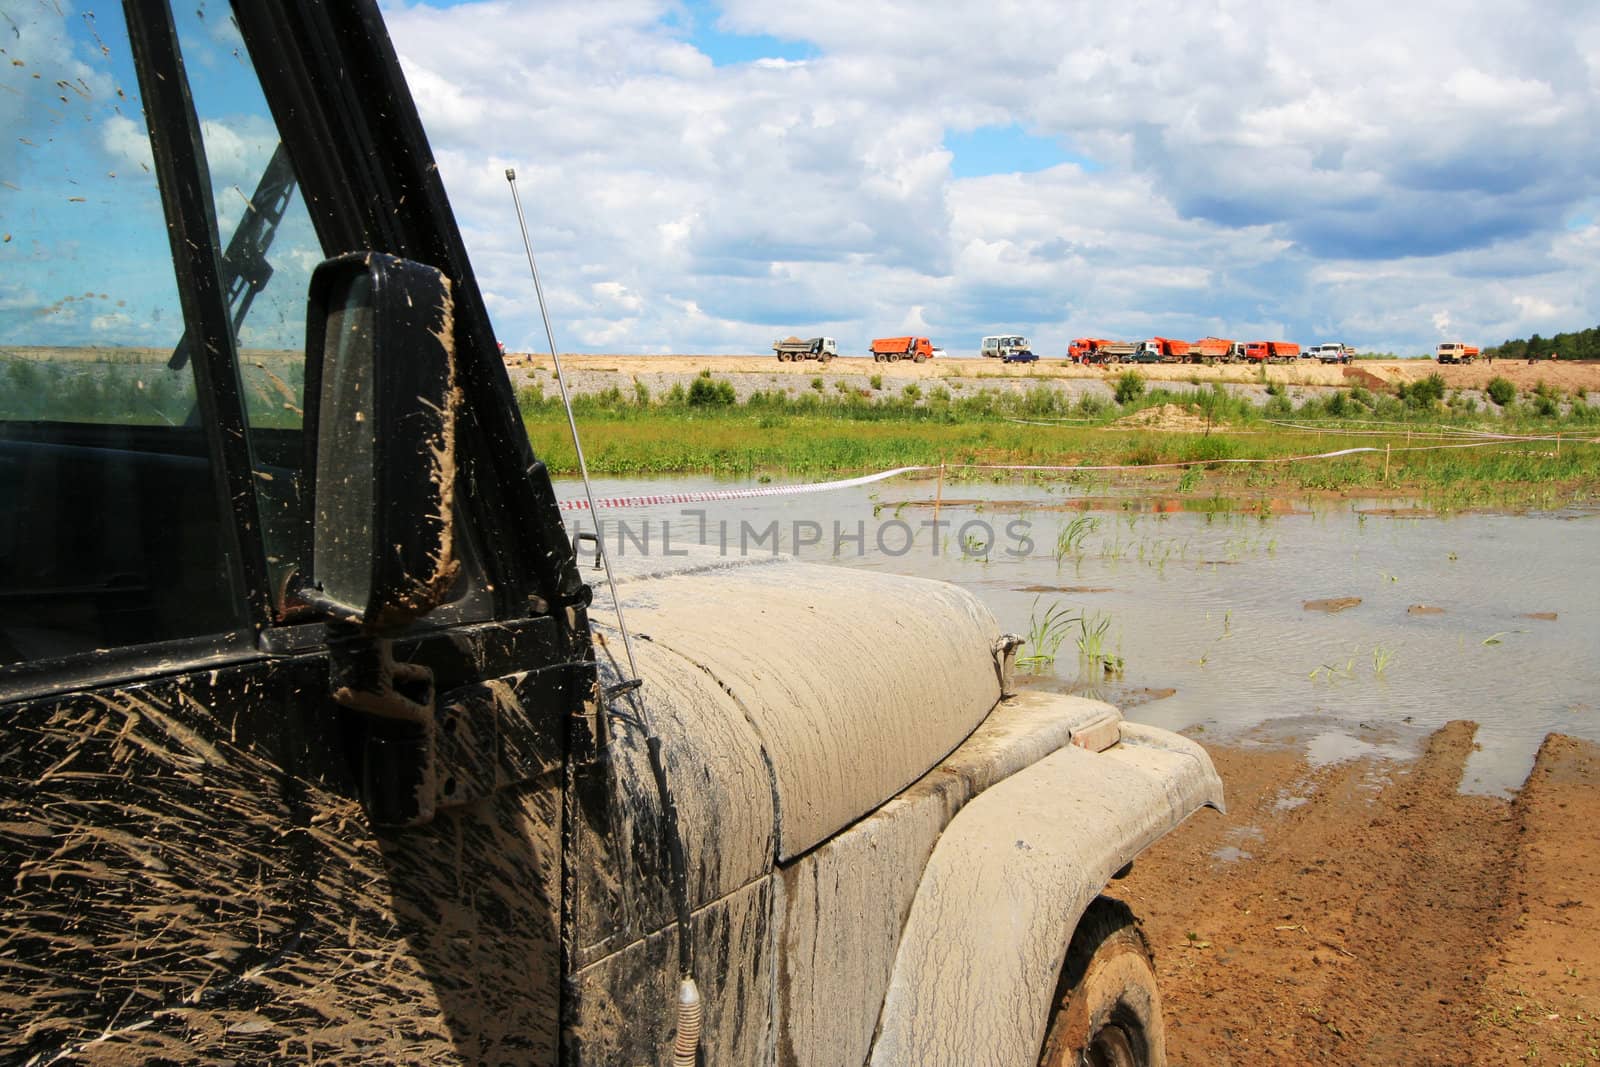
(1167, 417)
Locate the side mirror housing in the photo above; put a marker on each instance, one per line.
(381, 401)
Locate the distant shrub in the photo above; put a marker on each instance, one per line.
(531, 398)
(1388, 407)
(1422, 394)
(641, 393)
(1040, 400)
(911, 393)
(1090, 405)
(1501, 391)
(1130, 387)
(983, 402)
(816, 383)
(876, 381)
(707, 392)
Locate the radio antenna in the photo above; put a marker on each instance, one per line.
(572, 424)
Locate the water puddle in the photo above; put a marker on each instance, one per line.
(1246, 836)
(1327, 749)
(1199, 616)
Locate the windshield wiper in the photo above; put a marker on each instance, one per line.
(245, 270)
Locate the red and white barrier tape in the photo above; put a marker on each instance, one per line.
(1211, 462)
(702, 496)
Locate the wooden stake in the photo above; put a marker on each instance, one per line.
(938, 496)
(1386, 461)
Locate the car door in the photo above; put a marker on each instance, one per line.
(202, 846)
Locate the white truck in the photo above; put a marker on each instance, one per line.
(316, 745)
(1331, 352)
(794, 349)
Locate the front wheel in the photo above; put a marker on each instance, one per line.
(1107, 1011)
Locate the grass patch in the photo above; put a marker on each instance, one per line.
(813, 434)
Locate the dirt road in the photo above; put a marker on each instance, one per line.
(1566, 375)
(1367, 913)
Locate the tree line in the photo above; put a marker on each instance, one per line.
(1579, 344)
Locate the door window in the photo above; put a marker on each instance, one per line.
(269, 251)
(112, 529)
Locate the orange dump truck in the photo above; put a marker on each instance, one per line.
(1271, 351)
(1099, 350)
(1218, 348)
(1170, 349)
(889, 349)
(1082, 347)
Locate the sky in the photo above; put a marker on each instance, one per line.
(84, 250)
(705, 177)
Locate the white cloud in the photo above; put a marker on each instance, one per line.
(126, 142)
(1342, 170)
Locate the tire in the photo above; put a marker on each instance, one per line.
(1107, 1011)
(920, 358)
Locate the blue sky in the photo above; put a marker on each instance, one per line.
(81, 214)
(1006, 149)
(698, 23)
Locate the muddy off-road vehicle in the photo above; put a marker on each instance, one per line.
(311, 749)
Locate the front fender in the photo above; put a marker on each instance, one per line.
(983, 946)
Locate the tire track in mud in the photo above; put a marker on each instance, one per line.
(1541, 1003)
(1340, 915)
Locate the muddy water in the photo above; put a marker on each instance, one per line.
(1347, 627)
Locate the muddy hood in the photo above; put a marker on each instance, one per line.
(854, 683)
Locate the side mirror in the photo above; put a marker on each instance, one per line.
(380, 429)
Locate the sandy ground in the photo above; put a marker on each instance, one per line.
(1368, 913)
(590, 373)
